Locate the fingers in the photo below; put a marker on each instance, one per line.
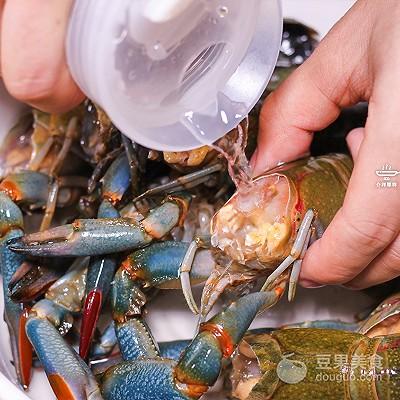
(311, 98)
(365, 229)
(354, 140)
(33, 59)
(383, 269)
(2, 2)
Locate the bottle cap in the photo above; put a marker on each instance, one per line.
(174, 75)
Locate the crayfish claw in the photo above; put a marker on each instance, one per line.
(46, 243)
(90, 317)
(31, 280)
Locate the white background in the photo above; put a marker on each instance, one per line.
(173, 321)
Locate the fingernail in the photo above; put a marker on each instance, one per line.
(310, 284)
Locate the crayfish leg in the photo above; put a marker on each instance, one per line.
(184, 272)
(296, 254)
(295, 273)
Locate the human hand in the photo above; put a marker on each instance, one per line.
(358, 60)
(33, 64)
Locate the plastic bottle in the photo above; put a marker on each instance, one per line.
(174, 74)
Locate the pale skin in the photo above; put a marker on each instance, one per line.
(358, 60)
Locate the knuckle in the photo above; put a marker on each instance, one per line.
(337, 277)
(391, 260)
(370, 234)
(318, 266)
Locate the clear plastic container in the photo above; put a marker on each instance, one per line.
(174, 74)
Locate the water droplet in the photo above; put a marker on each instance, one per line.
(223, 11)
(157, 46)
(298, 60)
(224, 117)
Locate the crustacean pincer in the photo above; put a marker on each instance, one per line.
(144, 374)
(94, 237)
(48, 321)
(62, 301)
(24, 188)
(115, 183)
(157, 266)
(11, 223)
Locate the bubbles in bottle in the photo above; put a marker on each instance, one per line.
(120, 35)
(222, 11)
(157, 51)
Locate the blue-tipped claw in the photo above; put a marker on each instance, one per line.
(201, 363)
(199, 366)
(93, 237)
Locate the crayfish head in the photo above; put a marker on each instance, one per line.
(254, 226)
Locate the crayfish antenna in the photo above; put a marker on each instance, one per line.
(183, 183)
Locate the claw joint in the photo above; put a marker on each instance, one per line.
(224, 339)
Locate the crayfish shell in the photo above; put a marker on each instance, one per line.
(254, 226)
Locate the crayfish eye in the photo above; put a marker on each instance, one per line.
(255, 225)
